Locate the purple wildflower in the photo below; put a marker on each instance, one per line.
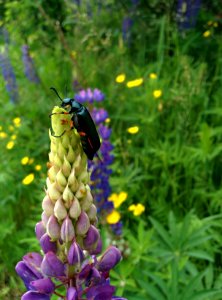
(9, 76)
(89, 96)
(126, 29)
(187, 12)
(29, 68)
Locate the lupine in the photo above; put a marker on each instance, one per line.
(187, 12)
(101, 168)
(9, 76)
(29, 68)
(67, 232)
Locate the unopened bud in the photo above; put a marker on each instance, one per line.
(67, 195)
(66, 167)
(67, 230)
(81, 192)
(52, 174)
(60, 178)
(75, 209)
(71, 155)
(109, 259)
(54, 194)
(75, 254)
(60, 210)
(52, 266)
(61, 151)
(47, 244)
(53, 228)
(91, 239)
(39, 230)
(82, 225)
(47, 205)
(92, 212)
(71, 294)
(87, 201)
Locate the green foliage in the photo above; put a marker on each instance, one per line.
(172, 166)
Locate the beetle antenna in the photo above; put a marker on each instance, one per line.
(52, 88)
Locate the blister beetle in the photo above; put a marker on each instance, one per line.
(84, 124)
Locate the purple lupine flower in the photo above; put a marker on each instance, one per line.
(126, 29)
(187, 12)
(68, 227)
(29, 68)
(9, 76)
(89, 96)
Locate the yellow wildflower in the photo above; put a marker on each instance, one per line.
(129, 141)
(206, 33)
(107, 120)
(118, 199)
(74, 54)
(17, 121)
(25, 160)
(38, 167)
(153, 76)
(113, 217)
(11, 128)
(3, 135)
(133, 130)
(160, 106)
(28, 179)
(120, 78)
(157, 93)
(14, 137)
(137, 209)
(0, 127)
(215, 24)
(134, 83)
(10, 145)
(31, 160)
(209, 23)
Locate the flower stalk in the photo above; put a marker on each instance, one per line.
(67, 232)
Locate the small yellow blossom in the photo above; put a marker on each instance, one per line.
(118, 199)
(38, 167)
(215, 24)
(137, 209)
(10, 145)
(14, 137)
(160, 106)
(74, 54)
(206, 33)
(31, 161)
(25, 160)
(157, 93)
(129, 141)
(3, 135)
(120, 78)
(11, 128)
(0, 127)
(113, 217)
(153, 76)
(209, 23)
(133, 130)
(107, 120)
(17, 121)
(28, 179)
(134, 83)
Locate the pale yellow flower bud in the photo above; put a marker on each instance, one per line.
(60, 210)
(75, 209)
(47, 206)
(67, 195)
(81, 192)
(66, 167)
(54, 194)
(60, 178)
(71, 155)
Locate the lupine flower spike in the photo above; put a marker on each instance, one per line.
(68, 266)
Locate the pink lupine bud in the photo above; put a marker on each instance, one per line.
(91, 239)
(75, 254)
(109, 259)
(52, 266)
(67, 230)
(60, 210)
(53, 228)
(47, 244)
(54, 194)
(82, 224)
(66, 167)
(47, 205)
(87, 201)
(39, 230)
(60, 178)
(71, 294)
(71, 155)
(75, 209)
(45, 218)
(92, 212)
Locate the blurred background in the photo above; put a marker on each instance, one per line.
(151, 73)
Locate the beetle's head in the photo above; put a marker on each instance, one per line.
(67, 102)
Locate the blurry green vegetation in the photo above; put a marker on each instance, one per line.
(173, 165)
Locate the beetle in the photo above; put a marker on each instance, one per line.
(84, 124)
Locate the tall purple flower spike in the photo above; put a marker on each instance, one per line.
(29, 67)
(67, 233)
